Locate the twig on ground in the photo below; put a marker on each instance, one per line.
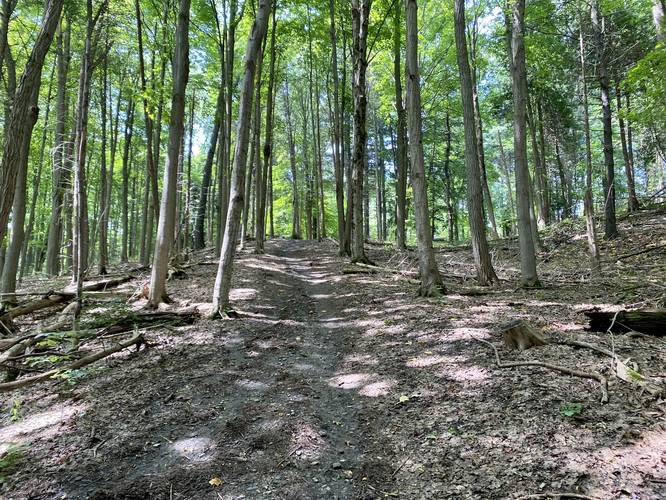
(562, 369)
(537, 496)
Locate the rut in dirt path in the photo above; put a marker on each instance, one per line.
(290, 370)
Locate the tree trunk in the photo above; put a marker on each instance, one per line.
(167, 219)
(60, 173)
(337, 133)
(587, 201)
(127, 144)
(360, 17)
(448, 182)
(519, 87)
(401, 138)
(610, 227)
(295, 209)
(228, 251)
(484, 268)
(23, 116)
(628, 160)
(105, 195)
(543, 205)
(431, 282)
(262, 187)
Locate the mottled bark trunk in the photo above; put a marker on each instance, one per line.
(167, 219)
(529, 276)
(228, 251)
(401, 137)
(484, 268)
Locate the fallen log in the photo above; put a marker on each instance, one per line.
(52, 298)
(143, 319)
(646, 322)
(87, 360)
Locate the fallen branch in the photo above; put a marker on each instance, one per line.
(639, 252)
(87, 360)
(562, 369)
(52, 298)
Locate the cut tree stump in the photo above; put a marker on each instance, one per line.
(647, 322)
(520, 335)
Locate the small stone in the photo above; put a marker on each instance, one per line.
(337, 465)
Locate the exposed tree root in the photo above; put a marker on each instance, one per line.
(562, 369)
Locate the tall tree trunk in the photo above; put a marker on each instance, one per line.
(23, 116)
(543, 207)
(151, 161)
(295, 206)
(587, 201)
(519, 86)
(401, 137)
(262, 187)
(487, 198)
(628, 160)
(610, 227)
(127, 144)
(103, 182)
(360, 17)
(60, 173)
(36, 180)
(337, 133)
(484, 267)
(198, 236)
(167, 219)
(507, 174)
(431, 281)
(228, 252)
(564, 182)
(448, 182)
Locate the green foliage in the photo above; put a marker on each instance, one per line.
(10, 461)
(571, 409)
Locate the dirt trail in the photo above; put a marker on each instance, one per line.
(337, 386)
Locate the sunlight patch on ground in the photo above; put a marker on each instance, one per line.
(243, 294)
(464, 374)
(376, 389)
(350, 380)
(363, 359)
(465, 332)
(252, 385)
(306, 443)
(195, 449)
(423, 361)
(42, 425)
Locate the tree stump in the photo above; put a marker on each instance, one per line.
(520, 335)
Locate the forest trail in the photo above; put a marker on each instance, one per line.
(334, 385)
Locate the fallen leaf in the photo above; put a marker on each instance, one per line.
(404, 398)
(216, 481)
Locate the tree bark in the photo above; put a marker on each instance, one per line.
(529, 276)
(167, 219)
(633, 204)
(127, 144)
(401, 138)
(587, 200)
(484, 268)
(431, 281)
(610, 226)
(295, 208)
(360, 17)
(337, 133)
(21, 120)
(228, 251)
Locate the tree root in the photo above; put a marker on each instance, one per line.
(562, 369)
(87, 360)
(555, 496)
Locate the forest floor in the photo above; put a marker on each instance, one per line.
(334, 385)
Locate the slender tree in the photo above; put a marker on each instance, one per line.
(167, 220)
(228, 251)
(484, 268)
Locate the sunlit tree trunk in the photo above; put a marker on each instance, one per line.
(228, 251)
(484, 268)
(401, 136)
(431, 281)
(124, 205)
(167, 219)
(519, 86)
(23, 116)
(337, 133)
(360, 17)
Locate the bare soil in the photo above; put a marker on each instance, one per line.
(333, 385)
